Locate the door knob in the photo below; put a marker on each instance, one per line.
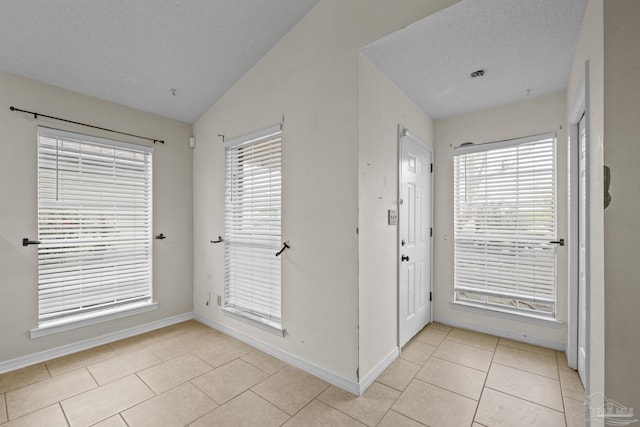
(404, 257)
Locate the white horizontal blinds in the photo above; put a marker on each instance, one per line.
(504, 219)
(94, 224)
(252, 225)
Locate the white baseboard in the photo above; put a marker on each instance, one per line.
(356, 388)
(330, 377)
(43, 356)
(502, 333)
(379, 369)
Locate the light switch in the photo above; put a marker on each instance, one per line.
(393, 217)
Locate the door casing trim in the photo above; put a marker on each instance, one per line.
(580, 106)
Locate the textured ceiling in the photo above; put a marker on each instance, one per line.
(134, 52)
(526, 48)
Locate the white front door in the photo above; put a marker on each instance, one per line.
(582, 246)
(414, 254)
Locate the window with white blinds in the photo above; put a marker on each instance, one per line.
(94, 225)
(504, 223)
(253, 197)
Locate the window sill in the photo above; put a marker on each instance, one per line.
(58, 326)
(507, 314)
(254, 320)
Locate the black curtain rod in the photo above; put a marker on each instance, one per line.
(35, 116)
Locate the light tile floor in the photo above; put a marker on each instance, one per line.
(190, 374)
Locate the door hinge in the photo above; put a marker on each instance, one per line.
(431, 167)
(431, 232)
(430, 296)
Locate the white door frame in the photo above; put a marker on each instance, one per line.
(403, 132)
(580, 106)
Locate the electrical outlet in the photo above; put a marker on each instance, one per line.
(219, 301)
(393, 217)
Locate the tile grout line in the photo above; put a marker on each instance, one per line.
(574, 400)
(46, 366)
(404, 415)
(447, 390)
(244, 391)
(64, 414)
(269, 375)
(203, 415)
(272, 404)
(532, 373)
(257, 367)
(401, 391)
(6, 408)
(205, 393)
(357, 397)
(332, 407)
(562, 397)
(394, 401)
(53, 403)
(471, 345)
(528, 372)
(414, 378)
(307, 404)
(484, 383)
(522, 350)
(422, 366)
(527, 400)
(460, 364)
(119, 414)
(27, 384)
(92, 377)
(478, 405)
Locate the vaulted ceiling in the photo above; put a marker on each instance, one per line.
(177, 58)
(524, 47)
(174, 58)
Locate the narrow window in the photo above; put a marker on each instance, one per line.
(504, 223)
(94, 224)
(253, 227)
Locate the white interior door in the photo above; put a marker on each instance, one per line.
(414, 257)
(582, 246)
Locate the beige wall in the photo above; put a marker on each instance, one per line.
(590, 48)
(310, 76)
(18, 209)
(382, 108)
(536, 116)
(621, 231)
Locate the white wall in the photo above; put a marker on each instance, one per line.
(382, 108)
(591, 48)
(621, 231)
(18, 209)
(535, 116)
(310, 76)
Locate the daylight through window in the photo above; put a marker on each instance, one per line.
(504, 222)
(253, 227)
(94, 224)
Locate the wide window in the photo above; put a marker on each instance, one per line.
(504, 225)
(94, 225)
(253, 227)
